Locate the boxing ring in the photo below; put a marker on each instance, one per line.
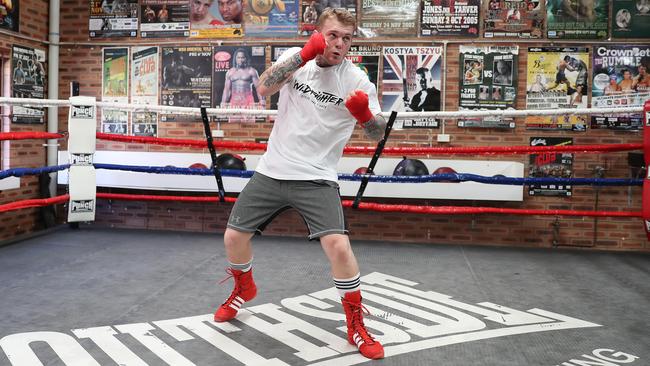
(88, 149)
(102, 296)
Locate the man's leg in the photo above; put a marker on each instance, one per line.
(345, 271)
(339, 252)
(240, 258)
(238, 246)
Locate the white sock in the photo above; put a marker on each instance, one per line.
(245, 267)
(345, 285)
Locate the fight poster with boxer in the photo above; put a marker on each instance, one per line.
(513, 18)
(27, 81)
(164, 18)
(366, 57)
(411, 81)
(276, 52)
(631, 19)
(10, 19)
(207, 21)
(310, 11)
(557, 77)
(186, 80)
(113, 18)
(389, 18)
(550, 165)
(144, 88)
(488, 81)
(115, 88)
(235, 78)
(271, 18)
(115, 74)
(449, 17)
(145, 124)
(115, 121)
(577, 19)
(621, 79)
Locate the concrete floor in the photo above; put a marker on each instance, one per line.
(128, 297)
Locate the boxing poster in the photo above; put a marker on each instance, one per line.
(145, 124)
(115, 88)
(449, 18)
(115, 75)
(488, 80)
(186, 79)
(557, 78)
(216, 18)
(10, 15)
(276, 51)
(411, 81)
(621, 79)
(144, 90)
(631, 19)
(235, 80)
(389, 18)
(514, 18)
(550, 165)
(115, 121)
(581, 19)
(271, 18)
(113, 18)
(366, 57)
(310, 11)
(164, 18)
(27, 81)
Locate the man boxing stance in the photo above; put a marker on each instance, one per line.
(322, 97)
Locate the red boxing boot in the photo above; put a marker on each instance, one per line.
(245, 290)
(357, 333)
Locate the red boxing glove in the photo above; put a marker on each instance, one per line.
(315, 46)
(357, 104)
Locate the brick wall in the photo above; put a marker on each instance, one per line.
(81, 61)
(28, 153)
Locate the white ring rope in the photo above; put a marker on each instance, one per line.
(33, 102)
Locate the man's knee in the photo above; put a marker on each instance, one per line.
(234, 238)
(337, 246)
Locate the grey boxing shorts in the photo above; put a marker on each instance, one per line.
(264, 198)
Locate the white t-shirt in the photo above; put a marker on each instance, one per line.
(313, 125)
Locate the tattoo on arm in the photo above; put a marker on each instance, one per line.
(274, 77)
(375, 128)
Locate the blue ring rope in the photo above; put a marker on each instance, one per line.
(454, 177)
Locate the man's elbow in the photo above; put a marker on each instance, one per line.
(263, 91)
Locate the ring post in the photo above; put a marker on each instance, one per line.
(82, 183)
(645, 201)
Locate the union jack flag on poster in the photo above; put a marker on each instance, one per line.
(412, 82)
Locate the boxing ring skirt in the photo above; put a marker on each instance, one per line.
(385, 166)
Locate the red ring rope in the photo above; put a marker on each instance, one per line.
(29, 135)
(38, 202)
(393, 208)
(369, 150)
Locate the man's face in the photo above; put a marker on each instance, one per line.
(240, 59)
(501, 67)
(422, 80)
(200, 9)
(230, 9)
(338, 37)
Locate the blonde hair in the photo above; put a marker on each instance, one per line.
(342, 15)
